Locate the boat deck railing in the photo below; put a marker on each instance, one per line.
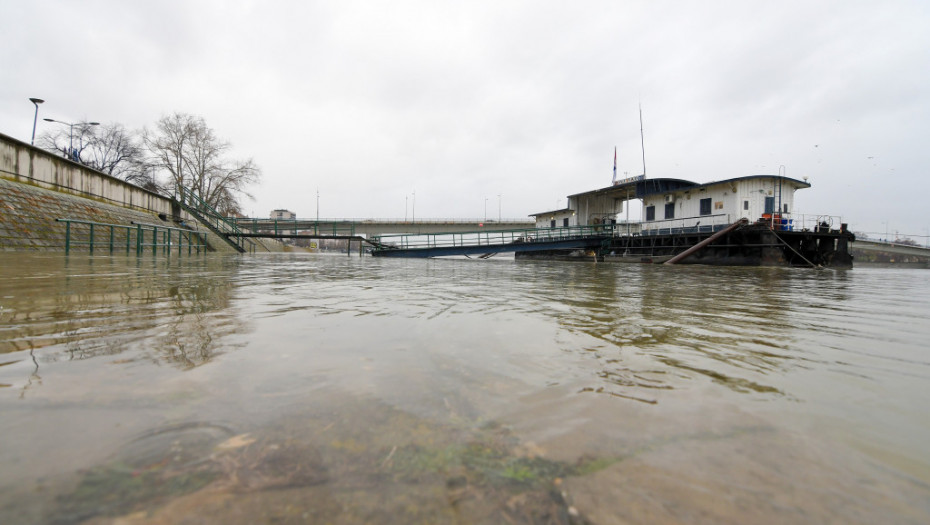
(715, 223)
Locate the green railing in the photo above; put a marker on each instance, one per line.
(408, 241)
(213, 218)
(138, 237)
(297, 226)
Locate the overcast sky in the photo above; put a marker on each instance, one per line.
(462, 102)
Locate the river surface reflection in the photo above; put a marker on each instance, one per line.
(299, 388)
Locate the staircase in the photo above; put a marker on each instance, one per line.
(221, 226)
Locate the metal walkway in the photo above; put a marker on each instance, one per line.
(485, 243)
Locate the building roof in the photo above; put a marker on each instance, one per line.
(553, 212)
(638, 189)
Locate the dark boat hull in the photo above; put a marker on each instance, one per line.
(752, 245)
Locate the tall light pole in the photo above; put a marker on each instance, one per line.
(413, 208)
(498, 207)
(35, 119)
(485, 209)
(71, 133)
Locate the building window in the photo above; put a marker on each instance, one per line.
(552, 223)
(786, 209)
(565, 222)
(745, 205)
(670, 210)
(650, 213)
(705, 206)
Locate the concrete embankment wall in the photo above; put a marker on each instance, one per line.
(21, 162)
(37, 187)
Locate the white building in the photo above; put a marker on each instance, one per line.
(673, 204)
(283, 214)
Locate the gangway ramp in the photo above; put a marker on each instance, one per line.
(489, 242)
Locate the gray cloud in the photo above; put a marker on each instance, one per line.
(371, 101)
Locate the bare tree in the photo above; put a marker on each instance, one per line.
(192, 155)
(109, 148)
(115, 151)
(70, 142)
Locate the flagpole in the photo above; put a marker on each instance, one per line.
(642, 141)
(614, 181)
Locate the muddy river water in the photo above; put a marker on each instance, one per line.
(305, 388)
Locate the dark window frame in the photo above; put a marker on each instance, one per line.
(706, 206)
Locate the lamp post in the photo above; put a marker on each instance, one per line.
(485, 209)
(35, 119)
(71, 133)
(499, 207)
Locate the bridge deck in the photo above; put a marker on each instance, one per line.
(488, 242)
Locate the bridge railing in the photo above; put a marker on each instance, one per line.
(295, 226)
(489, 237)
(394, 220)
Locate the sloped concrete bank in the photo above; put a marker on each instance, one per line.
(38, 187)
(28, 218)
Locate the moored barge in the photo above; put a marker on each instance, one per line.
(744, 221)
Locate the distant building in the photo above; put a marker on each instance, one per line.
(283, 214)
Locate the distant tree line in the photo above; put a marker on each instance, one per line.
(179, 150)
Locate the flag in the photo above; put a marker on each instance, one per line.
(615, 164)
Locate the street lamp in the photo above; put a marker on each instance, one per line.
(71, 133)
(485, 209)
(498, 207)
(35, 119)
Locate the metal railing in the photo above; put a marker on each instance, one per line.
(137, 236)
(295, 226)
(801, 222)
(394, 220)
(213, 218)
(699, 224)
(712, 223)
(489, 237)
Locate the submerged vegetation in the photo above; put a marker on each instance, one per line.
(330, 471)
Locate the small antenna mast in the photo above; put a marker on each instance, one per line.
(642, 141)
